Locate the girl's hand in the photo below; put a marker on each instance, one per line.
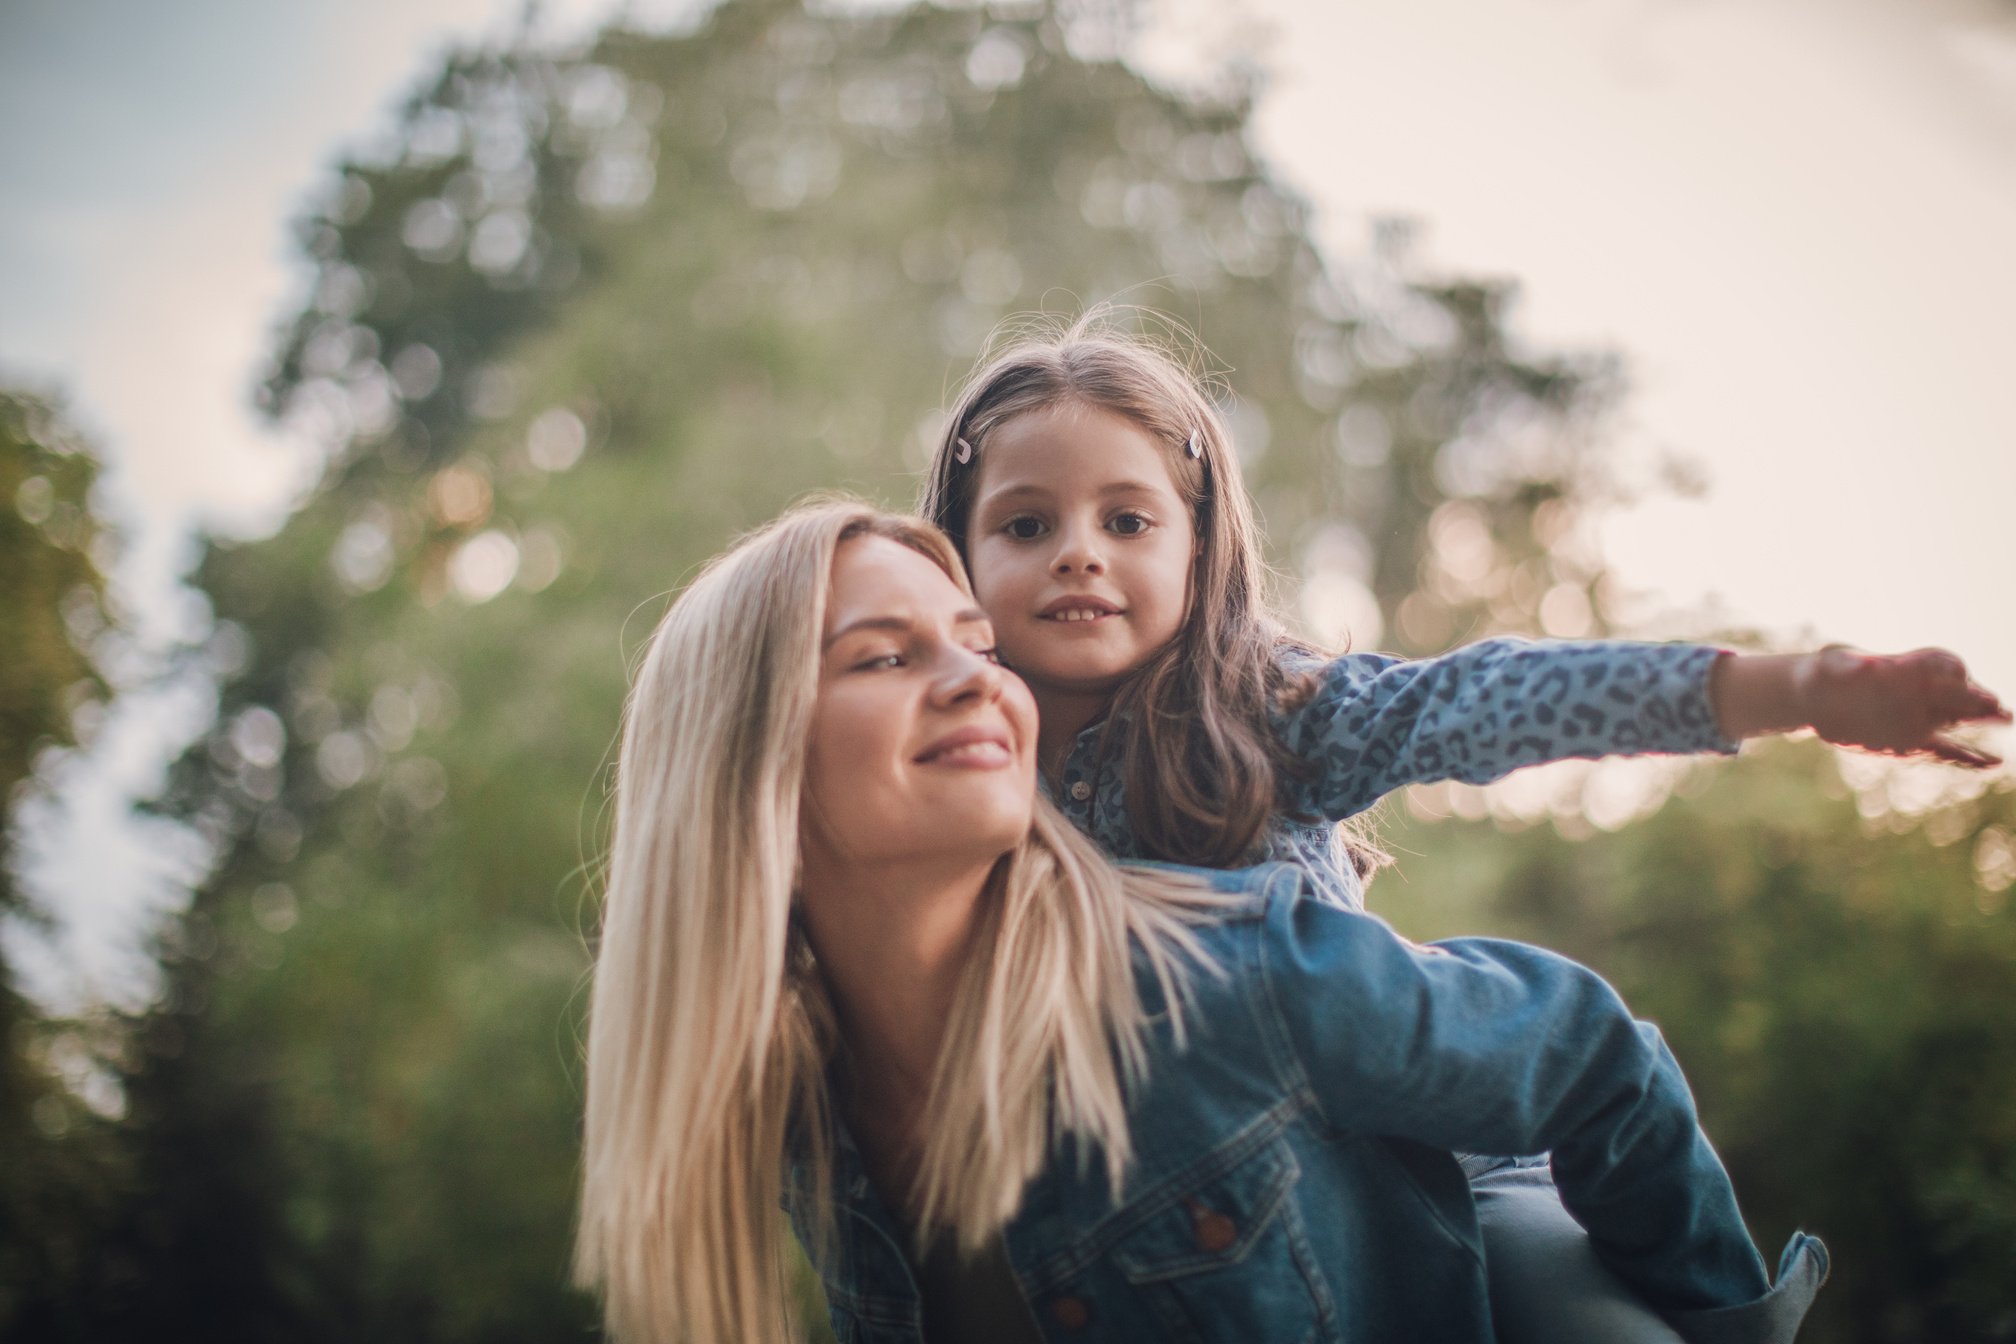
(1902, 704)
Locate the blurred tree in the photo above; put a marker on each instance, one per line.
(54, 594)
(56, 1183)
(584, 319)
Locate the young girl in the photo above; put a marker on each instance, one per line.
(1090, 487)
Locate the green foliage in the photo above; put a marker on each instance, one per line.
(56, 1183)
(52, 604)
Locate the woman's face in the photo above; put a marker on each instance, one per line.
(923, 746)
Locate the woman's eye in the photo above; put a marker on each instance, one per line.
(879, 660)
(1129, 524)
(991, 653)
(1024, 528)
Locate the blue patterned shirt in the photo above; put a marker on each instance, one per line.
(1376, 722)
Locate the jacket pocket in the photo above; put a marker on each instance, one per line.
(1221, 1256)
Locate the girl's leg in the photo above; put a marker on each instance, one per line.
(1547, 1286)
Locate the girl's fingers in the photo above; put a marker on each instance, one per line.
(1959, 753)
(1949, 692)
(1941, 667)
(1970, 704)
(1901, 704)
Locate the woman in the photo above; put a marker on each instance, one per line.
(1009, 1091)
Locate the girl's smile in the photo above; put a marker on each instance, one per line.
(1071, 609)
(1081, 549)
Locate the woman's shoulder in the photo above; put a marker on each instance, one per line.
(1218, 916)
(1249, 905)
(1277, 925)
(1235, 894)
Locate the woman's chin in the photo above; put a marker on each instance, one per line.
(987, 833)
(1000, 833)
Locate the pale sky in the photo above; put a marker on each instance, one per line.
(1790, 217)
(1793, 219)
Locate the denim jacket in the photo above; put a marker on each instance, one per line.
(1293, 1179)
(1476, 714)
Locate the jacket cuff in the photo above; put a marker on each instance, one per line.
(1773, 1318)
(1696, 664)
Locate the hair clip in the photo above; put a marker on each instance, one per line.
(963, 453)
(1195, 447)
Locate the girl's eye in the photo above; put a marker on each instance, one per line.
(1024, 528)
(1129, 524)
(879, 661)
(992, 654)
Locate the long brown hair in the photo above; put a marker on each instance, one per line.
(1190, 729)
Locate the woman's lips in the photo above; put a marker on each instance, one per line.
(973, 747)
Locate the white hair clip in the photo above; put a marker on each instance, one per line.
(1195, 447)
(963, 453)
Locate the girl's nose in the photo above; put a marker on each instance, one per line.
(1078, 553)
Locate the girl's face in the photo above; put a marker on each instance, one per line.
(923, 747)
(1081, 547)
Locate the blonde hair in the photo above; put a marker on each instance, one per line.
(710, 1030)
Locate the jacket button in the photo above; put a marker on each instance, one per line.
(1070, 1312)
(1215, 1231)
(1081, 790)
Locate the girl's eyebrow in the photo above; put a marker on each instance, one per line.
(1130, 488)
(1015, 492)
(1031, 491)
(901, 625)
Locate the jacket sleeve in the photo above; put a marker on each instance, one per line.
(1476, 714)
(1482, 1046)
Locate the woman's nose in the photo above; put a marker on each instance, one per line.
(968, 672)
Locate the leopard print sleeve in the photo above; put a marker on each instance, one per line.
(1478, 713)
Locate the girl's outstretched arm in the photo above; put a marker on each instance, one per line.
(1375, 723)
(1902, 704)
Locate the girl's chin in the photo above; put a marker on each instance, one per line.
(1072, 677)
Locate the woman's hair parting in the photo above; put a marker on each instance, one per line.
(710, 1034)
(1190, 729)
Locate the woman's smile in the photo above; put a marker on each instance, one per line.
(970, 748)
(923, 746)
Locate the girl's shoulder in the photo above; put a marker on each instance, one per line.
(1305, 669)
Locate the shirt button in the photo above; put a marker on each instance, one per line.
(1081, 790)
(1070, 1312)
(1215, 1231)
